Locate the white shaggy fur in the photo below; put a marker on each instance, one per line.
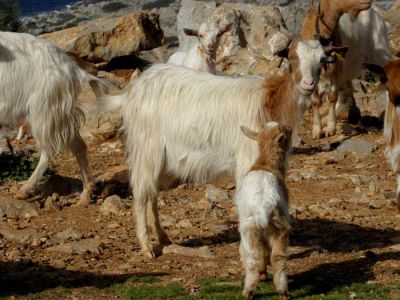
(39, 83)
(262, 205)
(201, 56)
(186, 124)
(259, 196)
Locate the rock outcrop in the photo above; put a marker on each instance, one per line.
(105, 39)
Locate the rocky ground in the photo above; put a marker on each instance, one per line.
(345, 225)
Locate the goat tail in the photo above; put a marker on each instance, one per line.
(111, 103)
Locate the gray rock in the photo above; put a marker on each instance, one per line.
(11, 208)
(107, 38)
(186, 251)
(51, 205)
(69, 234)
(214, 194)
(184, 224)
(112, 205)
(357, 146)
(371, 103)
(24, 236)
(80, 247)
(293, 16)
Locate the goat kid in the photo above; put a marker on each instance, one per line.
(201, 56)
(262, 203)
(183, 123)
(40, 83)
(390, 77)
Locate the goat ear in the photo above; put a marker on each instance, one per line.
(249, 133)
(190, 32)
(377, 70)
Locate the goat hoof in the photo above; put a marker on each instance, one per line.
(330, 131)
(248, 295)
(284, 296)
(22, 195)
(317, 136)
(149, 254)
(83, 201)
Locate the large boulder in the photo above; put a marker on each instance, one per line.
(104, 39)
(258, 33)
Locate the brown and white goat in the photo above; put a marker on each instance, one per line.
(262, 203)
(390, 77)
(351, 23)
(186, 123)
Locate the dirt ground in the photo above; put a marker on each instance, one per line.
(338, 237)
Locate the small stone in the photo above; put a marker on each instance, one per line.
(69, 234)
(119, 174)
(112, 205)
(376, 204)
(50, 205)
(79, 247)
(167, 221)
(215, 195)
(203, 251)
(335, 202)
(389, 194)
(203, 203)
(357, 146)
(114, 225)
(12, 209)
(295, 177)
(373, 188)
(352, 295)
(184, 224)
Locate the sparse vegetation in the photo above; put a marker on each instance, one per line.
(9, 15)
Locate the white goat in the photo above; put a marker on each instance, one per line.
(262, 203)
(201, 56)
(185, 123)
(40, 83)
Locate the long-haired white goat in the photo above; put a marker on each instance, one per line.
(40, 83)
(201, 56)
(262, 203)
(186, 123)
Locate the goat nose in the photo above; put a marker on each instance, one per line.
(210, 46)
(309, 81)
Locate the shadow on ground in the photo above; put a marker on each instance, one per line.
(26, 278)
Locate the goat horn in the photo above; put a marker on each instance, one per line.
(317, 13)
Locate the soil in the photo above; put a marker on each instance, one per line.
(336, 244)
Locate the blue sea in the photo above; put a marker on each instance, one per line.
(31, 7)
